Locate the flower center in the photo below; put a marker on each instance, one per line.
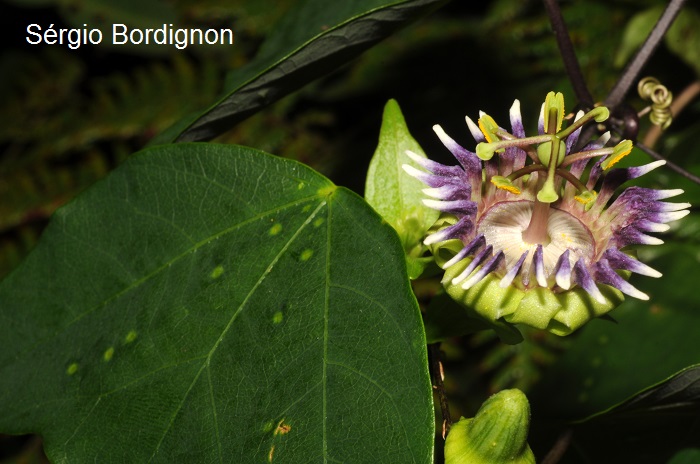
(504, 223)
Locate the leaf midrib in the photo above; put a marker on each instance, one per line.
(207, 361)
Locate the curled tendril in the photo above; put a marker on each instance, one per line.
(651, 89)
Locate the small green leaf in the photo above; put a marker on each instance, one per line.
(312, 40)
(212, 303)
(396, 195)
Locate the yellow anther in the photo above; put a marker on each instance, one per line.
(504, 183)
(621, 150)
(488, 127)
(587, 199)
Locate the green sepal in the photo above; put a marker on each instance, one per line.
(497, 434)
(560, 313)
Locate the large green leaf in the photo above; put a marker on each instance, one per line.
(314, 39)
(396, 195)
(210, 303)
(678, 395)
(657, 422)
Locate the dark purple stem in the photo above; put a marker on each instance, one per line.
(436, 373)
(568, 54)
(672, 166)
(629, 76)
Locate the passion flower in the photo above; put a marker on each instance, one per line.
(523, 238)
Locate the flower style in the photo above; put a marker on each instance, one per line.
(528, 240)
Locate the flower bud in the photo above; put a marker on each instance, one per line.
(497, 434)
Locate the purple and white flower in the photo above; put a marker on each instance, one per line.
(528, 220)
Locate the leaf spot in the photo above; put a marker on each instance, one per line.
(276, 229)
(216, 273)
(301, 185)
(282, 428)
(267, 427)
(306, 209)
(108, 354)
(327, 191)
(318, 222)
(277, 317)
(603, 339)
(306, 254)
(596, 362)
(72, 369)
(130, 337)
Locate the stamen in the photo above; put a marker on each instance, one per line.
(598, 114)
(485, 150)
(621, 150)
(587, 199)
(504, 183)
(571, 159)
(488, 127)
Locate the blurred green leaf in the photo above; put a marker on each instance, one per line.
(683, 38)
(636, 32)
(686, 456)
(311, 41)
(393, 193)
(213, 303)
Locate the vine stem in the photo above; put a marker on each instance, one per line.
(437, 375)
(566, 48)
(559, 448)
(669, 164)
(629, 76)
